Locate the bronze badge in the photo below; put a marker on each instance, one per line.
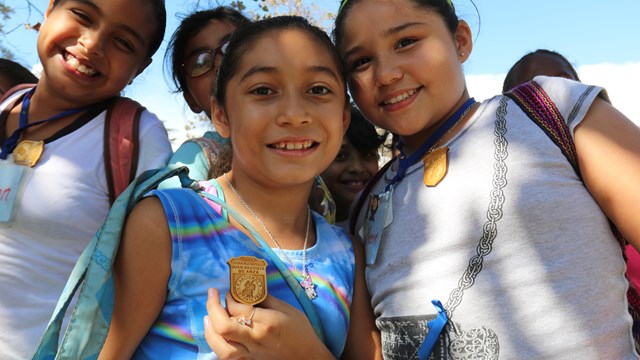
(435, 166)
(28, 152)
(248, 276)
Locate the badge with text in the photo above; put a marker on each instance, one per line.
(28, 152)
(9, 182)
(379, 215)
(248, 277)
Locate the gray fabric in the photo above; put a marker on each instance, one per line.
(552, 283)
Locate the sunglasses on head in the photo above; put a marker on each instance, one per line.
(202, 62)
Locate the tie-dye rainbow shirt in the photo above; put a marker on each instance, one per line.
(203, 241)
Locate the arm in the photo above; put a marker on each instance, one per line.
(141, 274)
(608, 148)
(363, 338)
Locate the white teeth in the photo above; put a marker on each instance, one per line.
(399, 98)
(81, 68)
(293, 146)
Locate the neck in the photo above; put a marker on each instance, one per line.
(283, 210)
(414, 142)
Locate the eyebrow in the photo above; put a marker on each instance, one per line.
(388, 32)
(271, 69)
(124, 27)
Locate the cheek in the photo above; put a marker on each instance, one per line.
(371, 166)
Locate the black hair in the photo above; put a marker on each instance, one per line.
(510, 80)
(444, 8)
(160, 16)
(16, 73)
(191, 26)
(362, 134)
(244, 38)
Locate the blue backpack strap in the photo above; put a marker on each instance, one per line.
(306, 304)
(91, 316)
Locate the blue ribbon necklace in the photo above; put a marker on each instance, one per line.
(406, 162)
(11, 142)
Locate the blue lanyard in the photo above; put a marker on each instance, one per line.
(406, 162)
(12, 141)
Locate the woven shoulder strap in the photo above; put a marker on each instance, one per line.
(121, 139)
(535, 102)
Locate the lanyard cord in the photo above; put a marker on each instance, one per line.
(406, 162)
(12, 141)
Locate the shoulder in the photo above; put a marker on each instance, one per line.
(568, 95)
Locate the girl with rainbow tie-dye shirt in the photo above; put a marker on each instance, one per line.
(281, 99)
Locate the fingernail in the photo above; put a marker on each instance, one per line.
(210, 292)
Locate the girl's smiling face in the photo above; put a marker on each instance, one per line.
(405, 66)
(198, 91)
(91, 50)
(285, 109)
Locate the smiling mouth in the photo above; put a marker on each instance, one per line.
(292, 145)
(74, 63)
(399, 98)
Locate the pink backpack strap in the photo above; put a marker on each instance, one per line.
(535, 102)
(121, 139)
(15, 89)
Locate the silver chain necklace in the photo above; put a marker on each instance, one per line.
(306, 282)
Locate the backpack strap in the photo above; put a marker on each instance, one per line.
(535, 102)
(358, 203)
(91, 280)
(14, 90)
(218, 155)
(121, 139)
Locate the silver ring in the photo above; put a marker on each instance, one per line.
(247, 322)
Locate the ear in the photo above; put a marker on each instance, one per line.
(191, 101)
(464, 40)
(49, 8)
(346, 118)
(220, 121)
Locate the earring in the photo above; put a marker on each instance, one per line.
(462, 54)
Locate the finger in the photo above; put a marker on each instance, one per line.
(216, 311)
(225, 350)
(237, 309)
(273, 303)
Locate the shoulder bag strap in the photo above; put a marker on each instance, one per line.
(121, 141)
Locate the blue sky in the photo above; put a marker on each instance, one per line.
(600, 38)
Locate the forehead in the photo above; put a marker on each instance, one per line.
(209, 36)
(370, 19)
(286, 50)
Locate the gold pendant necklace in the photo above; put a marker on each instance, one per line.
(436, 162)
(306, 282)
(28, 152)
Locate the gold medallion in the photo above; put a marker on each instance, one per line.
(28, 152)
(248, 279)
(435, 166)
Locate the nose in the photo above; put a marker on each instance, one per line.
(356, 164)
(386, 71)
(92, 41)
(293, 112)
